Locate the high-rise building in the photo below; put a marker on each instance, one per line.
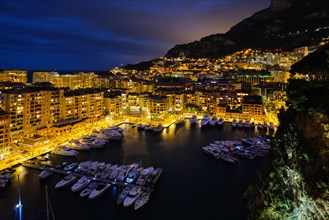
(13, 76)
(4, 133)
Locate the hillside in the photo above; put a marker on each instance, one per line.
(286, 24)
(294, 184)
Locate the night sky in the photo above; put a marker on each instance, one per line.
(101, 34)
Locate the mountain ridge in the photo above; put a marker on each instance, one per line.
(286, 24)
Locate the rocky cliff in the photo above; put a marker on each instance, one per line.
(294, 184)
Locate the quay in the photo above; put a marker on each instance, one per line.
(98, 179)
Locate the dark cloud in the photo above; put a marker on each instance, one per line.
(102, 34)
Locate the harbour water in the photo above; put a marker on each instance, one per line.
(192, 184)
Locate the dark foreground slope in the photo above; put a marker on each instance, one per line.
(295, 182)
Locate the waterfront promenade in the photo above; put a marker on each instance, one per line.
(23, 153)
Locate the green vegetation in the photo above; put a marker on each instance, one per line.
(294, 182)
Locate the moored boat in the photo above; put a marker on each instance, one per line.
(124, 193)
(99, 190)
(142, 200)
(144, 175)
(44, 174)
(133, 194)
(213, 120)
(81, 183)
(158, 129)
(205, 120)
(65, 151)
(3, 183)
(89, 189)
(234, 123)
(193, 120)
(220, 122)
(66, 181)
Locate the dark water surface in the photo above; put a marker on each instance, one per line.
(192, 185)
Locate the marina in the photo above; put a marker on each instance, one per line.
(163, 150)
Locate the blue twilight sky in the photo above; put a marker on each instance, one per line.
(101, 34)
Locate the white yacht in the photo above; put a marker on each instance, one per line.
(114, 173)
(213, 120)
(247, 124)
(133, 194)
(234, 123)
(45, 175)
(66, 181)
(113, 135)
(100, 190)
(3, 183)
(77, 145)
(154, 176)
(140, 127)
(70, 166)
(65, 151)
(144, 175)
(159, 128)
(142, 200)
(89, 189)
(220, 122)
(240, 124)
(82, 182)
(193, 120)
(205, 120)
(265, 125)
(147, 127)
(259, 126)
(133, 174)
(123, 194)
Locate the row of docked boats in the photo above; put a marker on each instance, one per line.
(91, 189)
(207, 120)
(95, 140)
(247, 148)
(133, 195)
(130, 174)
(150, 128)
(247, 125)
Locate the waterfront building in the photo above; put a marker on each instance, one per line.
(4, 133)
(13, 76)
(112, 103)
(83, 103)
(207, 100)
(157, 105)
(253, 107)
(72, 81)
(31, 108)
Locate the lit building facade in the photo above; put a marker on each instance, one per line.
(72, 81)
(13, 76)
(5, 139)
(253, 107)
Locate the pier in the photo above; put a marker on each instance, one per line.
(91, 177)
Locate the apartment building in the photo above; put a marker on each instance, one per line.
(13, 76)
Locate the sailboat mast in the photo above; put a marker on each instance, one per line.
(19, 205)
(47, 202)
